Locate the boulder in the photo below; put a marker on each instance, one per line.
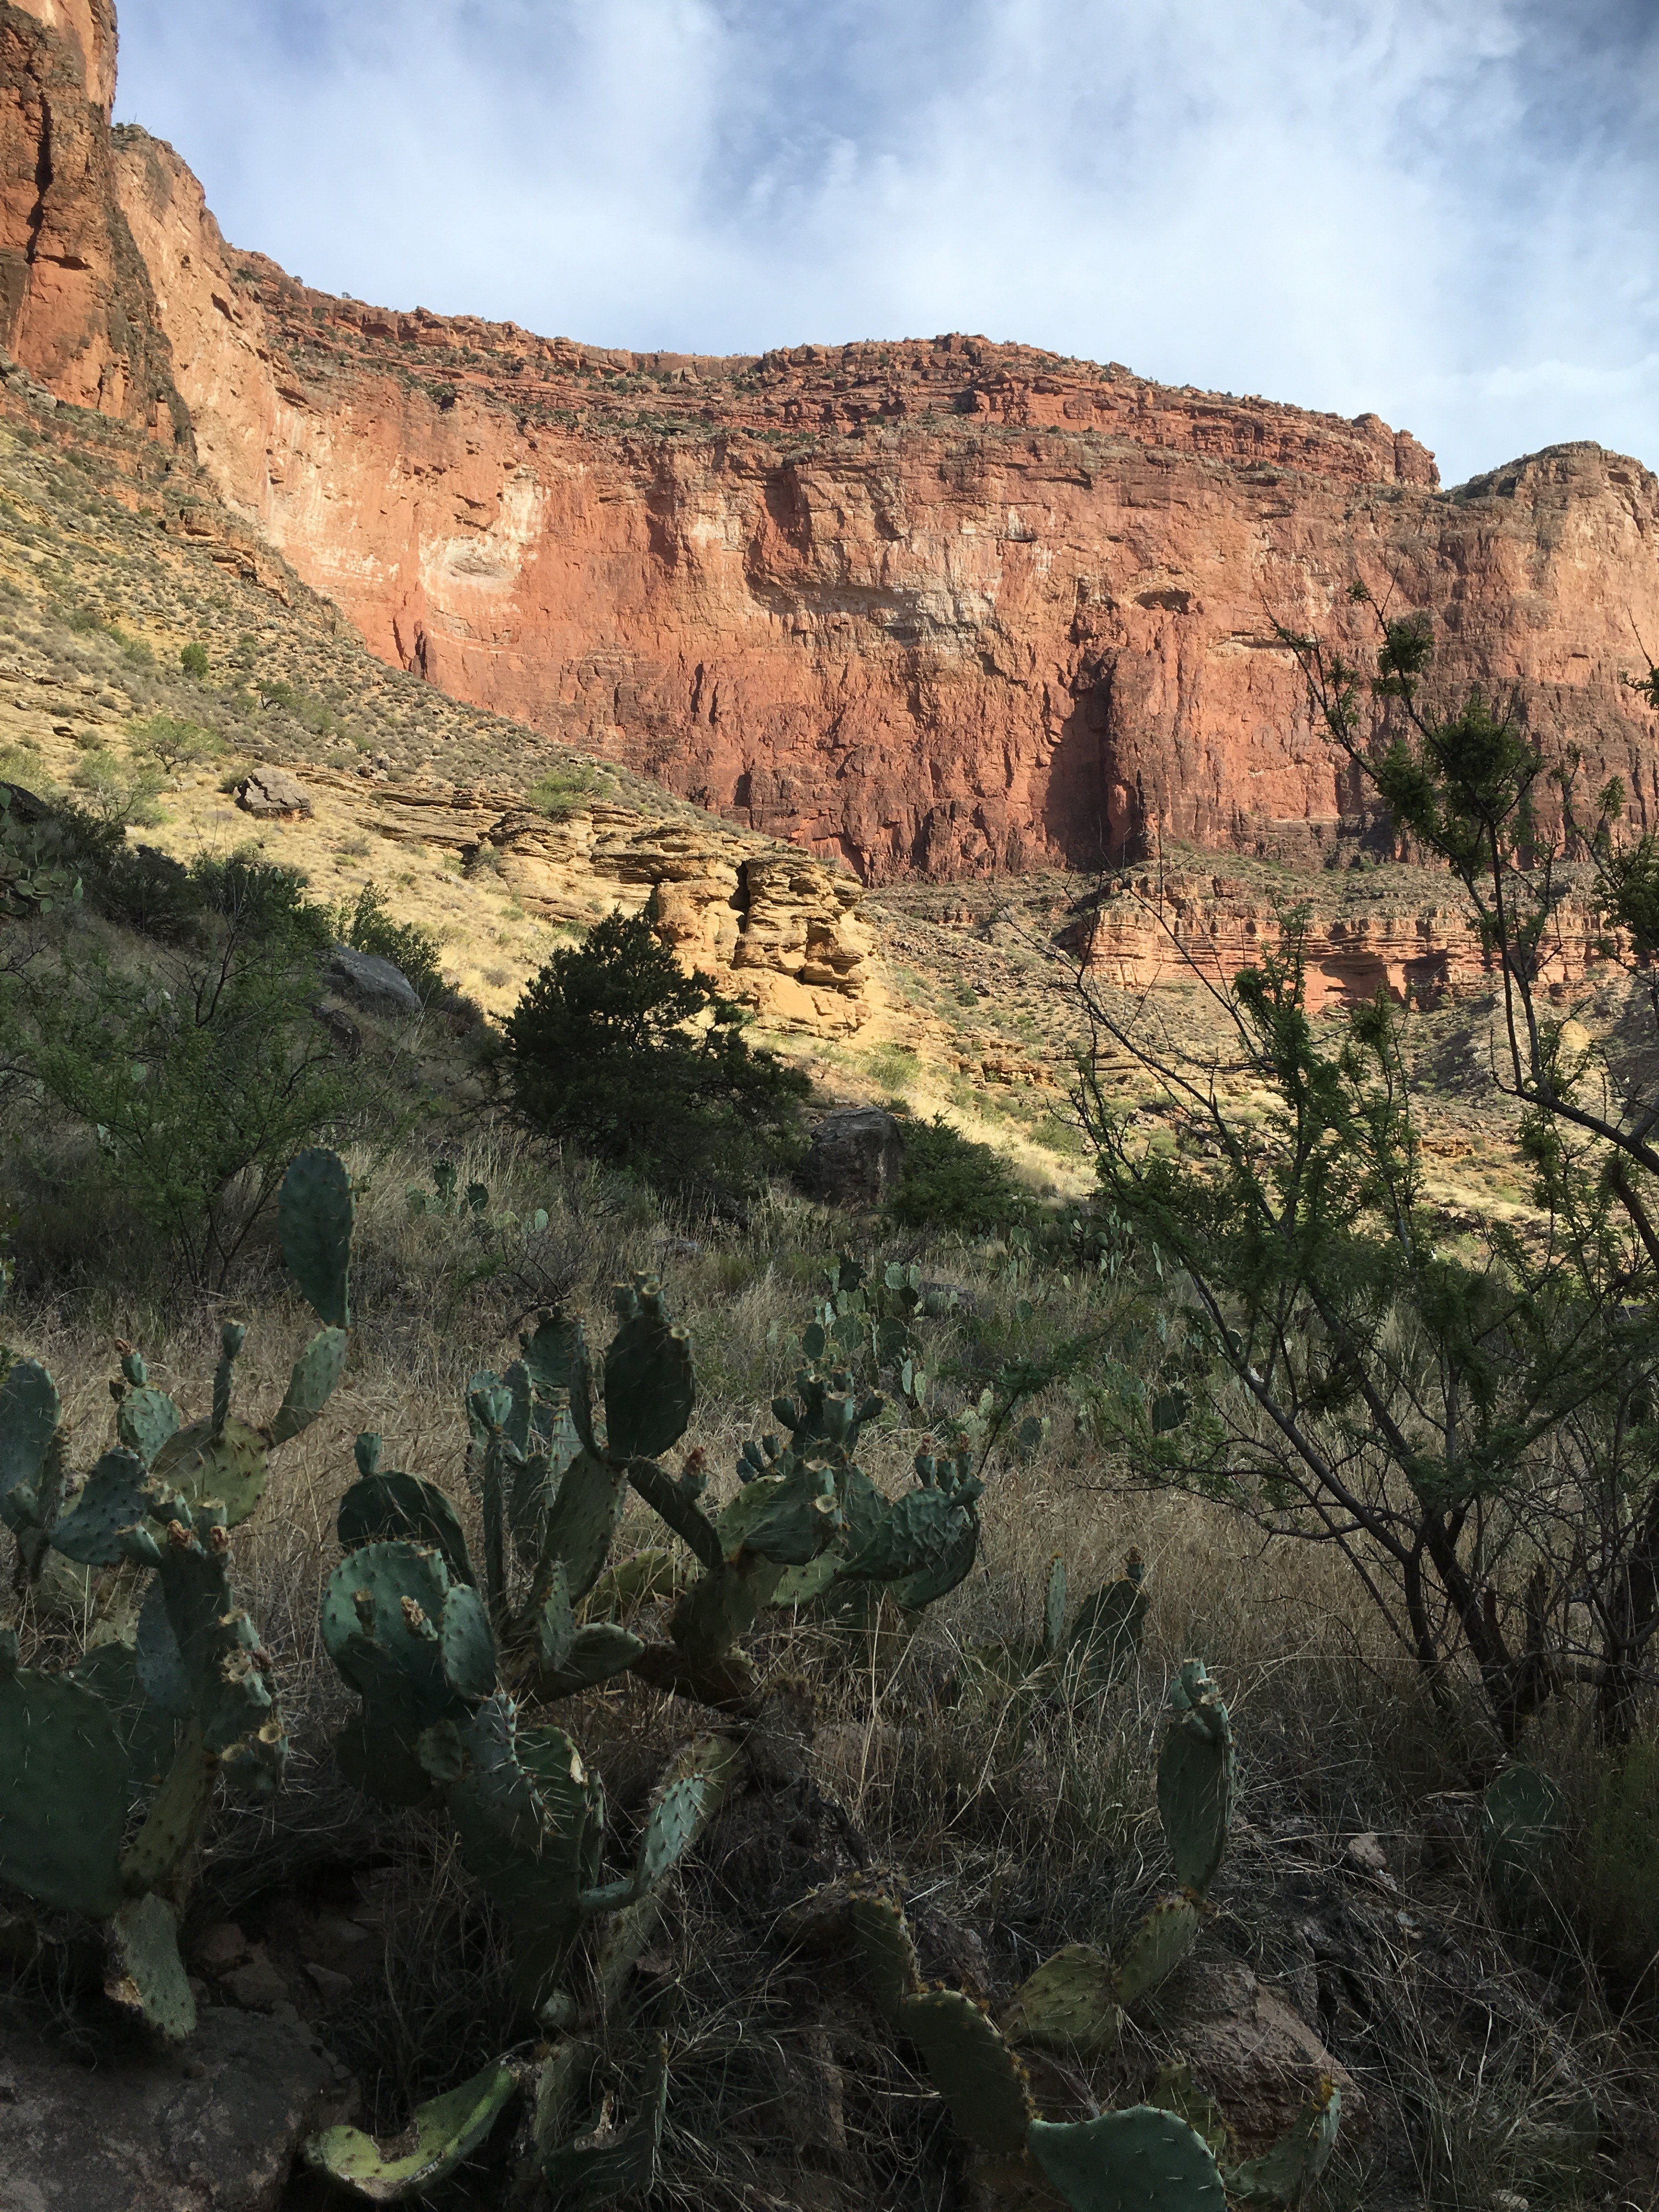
(856, 1157)
(272, 794)
(1251, 2052)
(211, 2127)
(375, 985)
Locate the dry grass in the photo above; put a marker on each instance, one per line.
(1034, 1826)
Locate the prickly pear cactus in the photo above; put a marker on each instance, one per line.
(1195, 1776)
(1068, 2006)
(978, 2077)
(447, 2132)
(1143, 2160)
(157, 1725)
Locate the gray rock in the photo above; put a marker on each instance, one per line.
(273, 794)
(370, 983)
(856, 1157)
(212, 2127)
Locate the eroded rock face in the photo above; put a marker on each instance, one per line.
(76, 306)
(938, 609)
(777, 931)
(932, 608)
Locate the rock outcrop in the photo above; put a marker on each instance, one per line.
(779, 931)
(77, 309)
(932, 608)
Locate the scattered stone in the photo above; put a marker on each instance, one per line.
(375, 985)
(856, 1157)
(332, 1987)
(222, 1946)
(1366, 1854)
(258, 1987)
(212, 2127)
(272, 794)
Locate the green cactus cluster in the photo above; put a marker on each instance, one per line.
(1150, 2157)
(147, 1726)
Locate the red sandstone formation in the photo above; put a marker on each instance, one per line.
(76, 306)
(935, 607)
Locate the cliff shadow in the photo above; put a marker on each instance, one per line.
(1091, 816)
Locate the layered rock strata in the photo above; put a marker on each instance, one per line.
(934, 609)
(779, 931)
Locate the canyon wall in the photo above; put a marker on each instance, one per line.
(932, 608)
(75, 304)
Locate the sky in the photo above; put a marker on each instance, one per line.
(1443, 210)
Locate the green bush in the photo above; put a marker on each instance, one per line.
(194, 659)
(564, 791)
(614, 1047)
(199, 1077)
(950, 1182)
(173, 743)
(368, 926)
(117, 791)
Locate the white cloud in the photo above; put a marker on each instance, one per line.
(1440, 208)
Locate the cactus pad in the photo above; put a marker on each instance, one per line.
(632, 1581)
(1520, 1820)
(62, 1792)
(228, 1464)
(883, 1937)
(1138, 2160)
(1054, 1608)
(1195, 1774)
(314, 1212)
(973, 2069)
(447, 2131)
(392, 1508)
(649, 1389)
(531, 1825)
(625, 2167)
(311, 1385)
(582, 1519)
(466, 1646)
(1282, 2175)
(144, 1421)
(915, 1531)
(1068, 2005)
(114, 1498)
(148, 1735)
(678, 1507)
(556, 1357)
(1157, 1946)
(29, 1410)
(1108, 1628)
(150, 1975)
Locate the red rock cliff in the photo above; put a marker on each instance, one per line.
(76, 306)
(935, 607)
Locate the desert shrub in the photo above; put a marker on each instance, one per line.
(174, 743)
(564, 791)
(117, 791)
(200, 1075)
(951, 1183)
(616, 1048)
(194, 659)
(367, 925)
